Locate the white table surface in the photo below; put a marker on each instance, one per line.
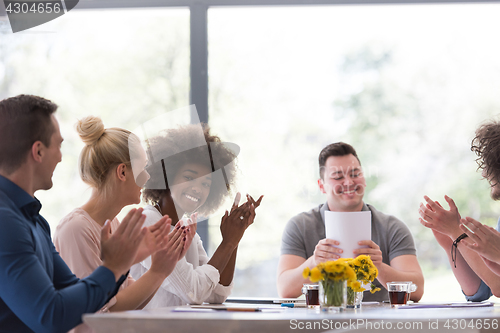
(371, 318)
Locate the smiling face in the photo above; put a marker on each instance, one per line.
(191, 187)
(343, 183)
(52, 156)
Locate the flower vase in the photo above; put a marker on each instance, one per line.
(354, 298)
(333, 295)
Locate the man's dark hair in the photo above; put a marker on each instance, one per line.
(24, 119)
(334, 149)
(486, 145)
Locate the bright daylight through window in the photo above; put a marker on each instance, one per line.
(406, 85)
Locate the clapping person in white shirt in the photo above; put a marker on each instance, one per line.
(192, 181)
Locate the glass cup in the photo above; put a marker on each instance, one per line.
(398, 292)
(312, 295)
(411, 288)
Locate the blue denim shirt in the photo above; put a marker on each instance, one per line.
(483, 292)
(38, 292)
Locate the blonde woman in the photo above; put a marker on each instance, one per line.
(106, 165)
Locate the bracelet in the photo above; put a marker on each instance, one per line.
(454, 248)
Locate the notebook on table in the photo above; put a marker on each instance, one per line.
(264, 300)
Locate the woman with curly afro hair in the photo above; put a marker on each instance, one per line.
(189, 181)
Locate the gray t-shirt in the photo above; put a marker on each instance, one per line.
(305, 230)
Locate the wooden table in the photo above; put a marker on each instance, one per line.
(371, 318)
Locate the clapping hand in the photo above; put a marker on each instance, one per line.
(189, 232)
(118, 250)
(164, 261)
(155, 239)
(235, 222)
(484, 240)
(435, 217)
(252, 201)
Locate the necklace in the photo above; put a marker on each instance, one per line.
(157, 206)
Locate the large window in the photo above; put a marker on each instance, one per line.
(126, 66)
(406, 85)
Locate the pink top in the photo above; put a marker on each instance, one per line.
(78, 240)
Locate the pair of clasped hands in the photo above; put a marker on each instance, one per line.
(329, 249)
(131, 243)
(448, 225)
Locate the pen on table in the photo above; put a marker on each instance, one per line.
(241, 309)
(294, 305)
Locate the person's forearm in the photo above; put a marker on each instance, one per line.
(387, 273)
(290, 281)
(469, 281)
(471, 269)
(140, 307)
(226, 277)
(222, 256)
(139, 293)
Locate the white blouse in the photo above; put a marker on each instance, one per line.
(193, 280)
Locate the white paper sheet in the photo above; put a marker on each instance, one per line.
(348, 228)
(447, 305)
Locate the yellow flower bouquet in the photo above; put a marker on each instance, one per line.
(366, 273)
(333, 277)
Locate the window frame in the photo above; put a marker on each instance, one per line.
(198, 93)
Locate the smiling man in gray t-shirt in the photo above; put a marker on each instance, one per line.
(391, 248)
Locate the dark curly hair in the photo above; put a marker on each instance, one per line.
(171, 146)
(486, 145)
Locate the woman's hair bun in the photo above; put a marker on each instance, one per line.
(90, 129)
